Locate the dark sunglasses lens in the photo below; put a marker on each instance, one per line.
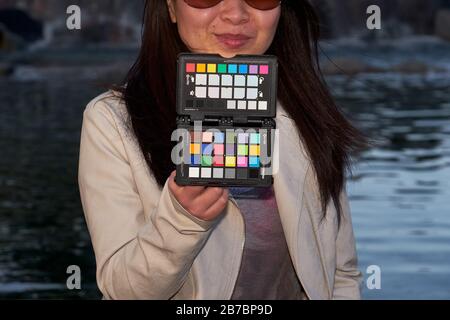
(263, 4)
(202, 4)
(257, 4)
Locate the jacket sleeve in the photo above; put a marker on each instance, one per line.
(347, 279)
(139, 254)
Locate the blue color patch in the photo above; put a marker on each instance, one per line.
(195, 159)
(232, 68)
(254, 138)
(219, 137)
(243, 68)
(207, 149)
(253, 162)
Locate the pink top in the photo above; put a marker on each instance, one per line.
(266, 272)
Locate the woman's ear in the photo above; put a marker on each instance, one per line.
(170, 6)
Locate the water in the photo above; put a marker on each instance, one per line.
(398, 193)
(400, 189)
(42, 229)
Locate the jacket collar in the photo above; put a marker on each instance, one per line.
(290, 187)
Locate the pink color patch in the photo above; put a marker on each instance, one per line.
(190, 67)
(253, 69)
(242, 161)
(264, 69)
(218, 161)
(207, 136)
(218, 149)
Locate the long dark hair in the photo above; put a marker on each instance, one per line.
(150, 87)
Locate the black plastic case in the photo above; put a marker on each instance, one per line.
(206, 100)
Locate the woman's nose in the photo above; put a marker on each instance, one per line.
(234, 11)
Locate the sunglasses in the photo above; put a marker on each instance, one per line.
(257, 4)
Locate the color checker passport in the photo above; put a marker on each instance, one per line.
(226, 109)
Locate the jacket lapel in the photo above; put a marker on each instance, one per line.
(289, 187)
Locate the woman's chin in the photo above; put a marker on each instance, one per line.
(224, 53)
(232, 53)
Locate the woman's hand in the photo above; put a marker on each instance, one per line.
(205, 203)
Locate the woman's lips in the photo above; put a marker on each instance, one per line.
(233, 41)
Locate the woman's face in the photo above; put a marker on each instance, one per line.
(231, 27)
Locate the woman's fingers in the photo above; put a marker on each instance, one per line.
(188, 192)
(217, 207)
(205, 200)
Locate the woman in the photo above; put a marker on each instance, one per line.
(156, 240)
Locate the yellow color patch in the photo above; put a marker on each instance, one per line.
(254, 150)
(230, 161)
(201, 67)
(212, 68)
(195, 148)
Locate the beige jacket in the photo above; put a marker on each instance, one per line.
(147, 246)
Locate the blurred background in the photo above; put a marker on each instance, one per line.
(394, 83)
